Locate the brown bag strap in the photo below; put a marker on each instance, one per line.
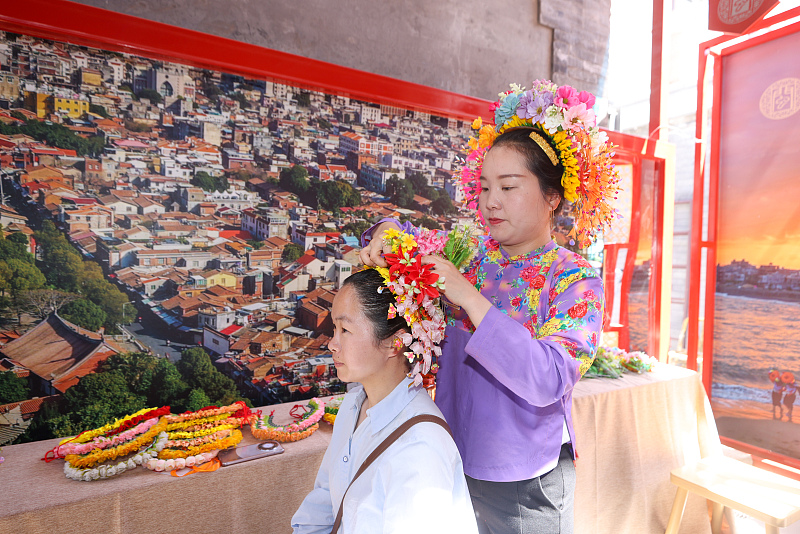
(391, 438)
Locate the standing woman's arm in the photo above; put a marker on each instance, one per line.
(541, 364)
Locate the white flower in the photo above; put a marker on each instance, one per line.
(554, 119)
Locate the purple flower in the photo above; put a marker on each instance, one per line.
(540, 104)
(526, 109)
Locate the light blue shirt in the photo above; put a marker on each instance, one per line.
(417, 485)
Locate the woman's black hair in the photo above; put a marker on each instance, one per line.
(536, 160)
(375, 305)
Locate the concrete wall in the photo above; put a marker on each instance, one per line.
(472, 48)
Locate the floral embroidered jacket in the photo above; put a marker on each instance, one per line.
(505, 388)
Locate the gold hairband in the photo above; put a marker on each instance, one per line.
(544, 145)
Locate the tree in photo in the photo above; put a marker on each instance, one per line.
(291, 252)
(100, 398)
(152, 95)
(85, 314)
(210, 183)
(168, 388)
(401, 192)
(42, 302)
(335, 194)
(199, 373)
(295, 179)
(13, 388)
(443, 205)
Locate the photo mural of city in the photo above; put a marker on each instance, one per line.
(175, 236)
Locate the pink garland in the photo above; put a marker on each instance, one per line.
(103, 442)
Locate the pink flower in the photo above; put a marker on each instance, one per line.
(578, 117)
(566, 97)
(586, 98)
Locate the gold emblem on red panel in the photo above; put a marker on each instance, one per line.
(781, 99)
(735, 11)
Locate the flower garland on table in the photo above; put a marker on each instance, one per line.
(332, 409)
(108, 471)
(561, 121)
(179, 449)
(104, 436)
(612, 362)
(204, 431)
(417, 290)
(306, 425)
(154, 464)
(98, 456)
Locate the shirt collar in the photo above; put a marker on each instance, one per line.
(390, 406)
(547, 247)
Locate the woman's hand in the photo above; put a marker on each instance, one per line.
(459, 290)
(372, 254)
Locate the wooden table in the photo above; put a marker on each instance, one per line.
(631, 432)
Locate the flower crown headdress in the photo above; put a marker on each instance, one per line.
(417, 290)
(563, 124)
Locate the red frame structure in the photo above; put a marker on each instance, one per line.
(80, 24)
(635, 150)
(715, 49)
(62, 20)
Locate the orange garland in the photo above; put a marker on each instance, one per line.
(98, 456)
(230, 441)
(277, 435)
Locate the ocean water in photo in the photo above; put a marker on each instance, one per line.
(752, 336)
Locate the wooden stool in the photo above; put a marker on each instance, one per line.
(763, 495)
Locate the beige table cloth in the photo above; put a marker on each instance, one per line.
(631, 432)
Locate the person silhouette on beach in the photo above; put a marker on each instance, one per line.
(791, 393)
(777, 392)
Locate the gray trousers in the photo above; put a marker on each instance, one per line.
(541, 505)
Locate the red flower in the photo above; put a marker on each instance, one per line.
(516, 301)
(553, 294)
(467, 324)
(538, 281)
(589, 295)
(491, 244)
(577, 311)
(528, 273)
(529, 325)
(580, 262)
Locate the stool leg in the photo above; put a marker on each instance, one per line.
(772, 529)
(716, 517)
(677, 511)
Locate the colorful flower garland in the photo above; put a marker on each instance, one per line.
(108, 471)
(306, 425)
(99, 456)
(103, 442)
(204, 431)
(155, 464)
(184, 450)
(559, 118)
(99, 437)
(332, 409)
(417, 290)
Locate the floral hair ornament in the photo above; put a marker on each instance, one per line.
(563, 125)
(417, 290)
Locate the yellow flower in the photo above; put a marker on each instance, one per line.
(476, 124)
(407, 242)
(472, 143)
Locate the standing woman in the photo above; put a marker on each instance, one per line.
(525, 319)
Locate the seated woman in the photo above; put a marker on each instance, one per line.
(417, 484)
